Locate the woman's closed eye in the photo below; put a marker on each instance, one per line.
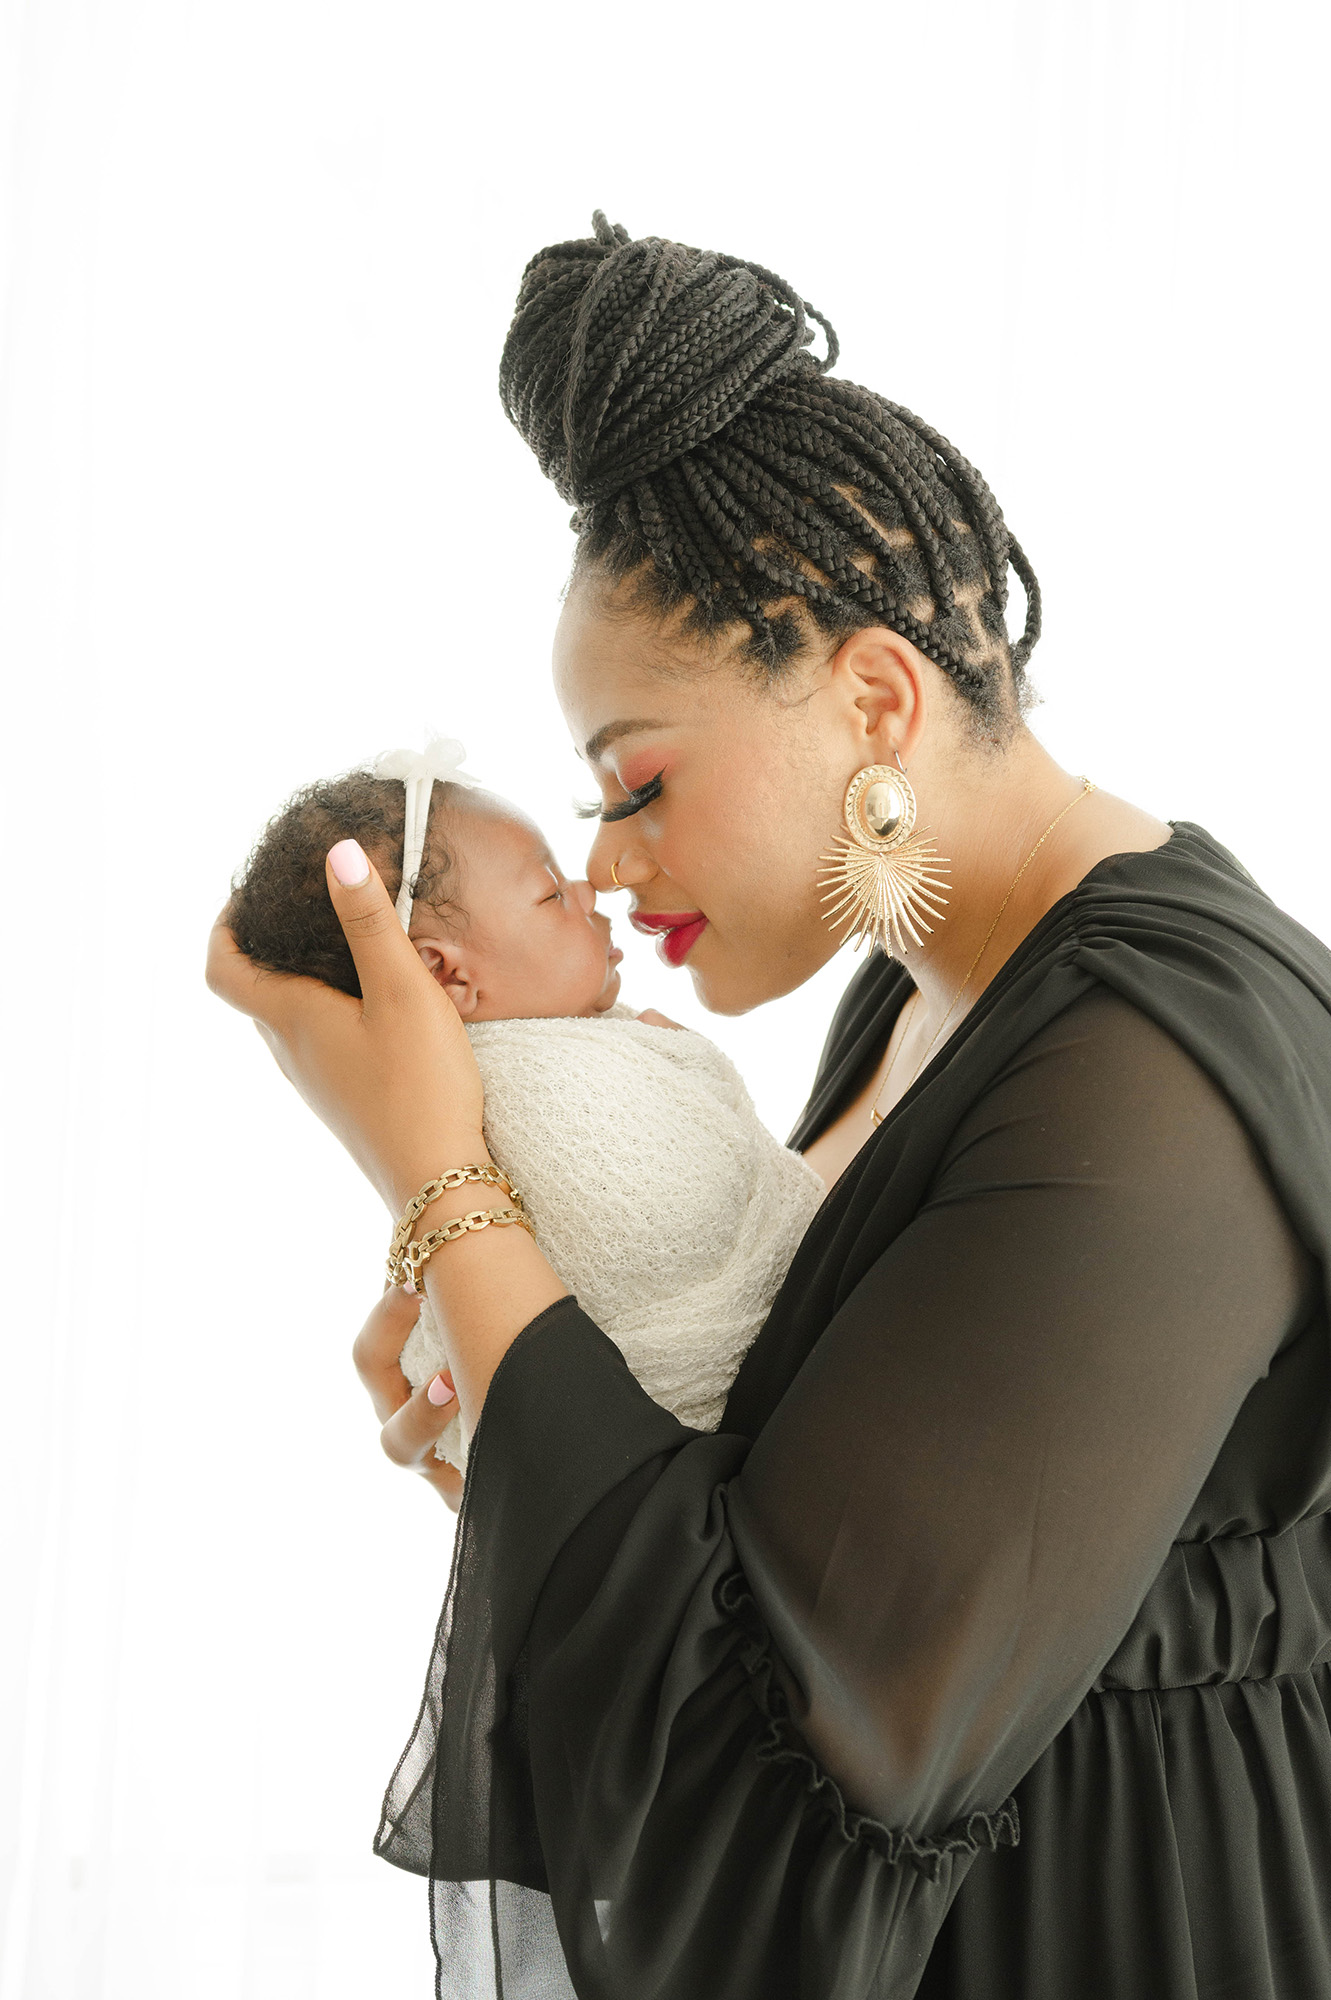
(626, 808)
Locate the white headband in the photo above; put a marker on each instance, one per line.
(418, 769)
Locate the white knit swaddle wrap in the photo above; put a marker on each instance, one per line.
(655, 1191)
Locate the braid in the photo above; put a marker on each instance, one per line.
(672, 397)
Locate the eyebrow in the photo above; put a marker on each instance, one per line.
(611, 733)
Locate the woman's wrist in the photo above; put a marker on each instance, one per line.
(483, 1289)
(454, 1149)
(458, 1202)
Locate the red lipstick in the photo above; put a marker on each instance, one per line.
(676, 931)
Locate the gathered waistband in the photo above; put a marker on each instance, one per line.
(1241, 1608)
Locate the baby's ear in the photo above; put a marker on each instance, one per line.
(446, 964)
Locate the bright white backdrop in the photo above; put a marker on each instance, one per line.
(262, 515)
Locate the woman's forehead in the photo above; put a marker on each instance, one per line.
(595, 643)
(617, 672)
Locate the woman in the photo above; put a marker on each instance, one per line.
(982, 1652)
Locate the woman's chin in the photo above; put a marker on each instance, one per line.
(734, 989)
(728, 983)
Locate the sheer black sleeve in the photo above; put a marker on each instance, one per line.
(749, 1710)
(954, 1513)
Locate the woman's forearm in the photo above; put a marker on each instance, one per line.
(483, 1287)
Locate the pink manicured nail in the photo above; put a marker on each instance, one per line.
(439, 1391)
(348, 863)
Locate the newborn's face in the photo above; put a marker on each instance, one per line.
(532, 944)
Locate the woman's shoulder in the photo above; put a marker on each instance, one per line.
(1185, 914)
(1188, 933)
(1189, 879)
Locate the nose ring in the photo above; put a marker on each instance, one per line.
(614, 876)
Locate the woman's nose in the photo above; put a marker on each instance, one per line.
(615, 863)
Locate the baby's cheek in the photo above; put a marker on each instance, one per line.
(598, 970)
(569, 974)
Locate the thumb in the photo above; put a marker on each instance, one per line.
(384, 957)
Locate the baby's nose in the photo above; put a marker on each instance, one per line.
(586, 896)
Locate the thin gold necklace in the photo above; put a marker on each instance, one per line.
(875, 1114)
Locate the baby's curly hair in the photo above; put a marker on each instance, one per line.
(281, 914)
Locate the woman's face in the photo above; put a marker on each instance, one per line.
(722, 794)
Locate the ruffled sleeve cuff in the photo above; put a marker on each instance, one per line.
(781, 1743)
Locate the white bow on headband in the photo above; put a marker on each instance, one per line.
(441, 759)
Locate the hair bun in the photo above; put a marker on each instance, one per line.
(624, 354)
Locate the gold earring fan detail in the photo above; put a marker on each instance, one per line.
(885, 878)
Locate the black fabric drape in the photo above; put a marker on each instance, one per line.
(983, 1650)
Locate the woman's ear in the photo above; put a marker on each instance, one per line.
(447, 964)
(881, 676)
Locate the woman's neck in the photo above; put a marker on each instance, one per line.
(994, 814)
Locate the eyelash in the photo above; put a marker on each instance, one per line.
(634, 803)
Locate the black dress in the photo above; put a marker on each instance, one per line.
(983, 1653)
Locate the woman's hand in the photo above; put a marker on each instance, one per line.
(411, 1423)
(391, 1074)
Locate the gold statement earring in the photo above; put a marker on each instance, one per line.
(886, 877)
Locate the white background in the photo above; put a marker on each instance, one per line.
(263, 516)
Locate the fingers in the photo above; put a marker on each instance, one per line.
(655, 1020)
(411, 1423)
(377, 1347)
(384, 957)
(229, 974)
(415, 1427)
(250, 988)
(447, 1481)
(377, 1354)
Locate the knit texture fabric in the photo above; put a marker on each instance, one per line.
(655, 1191)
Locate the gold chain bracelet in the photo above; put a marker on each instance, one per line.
(417, 1254)
(452, 1177)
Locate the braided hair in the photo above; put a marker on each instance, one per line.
(671, 396)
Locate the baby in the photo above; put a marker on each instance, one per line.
(653, 1187)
